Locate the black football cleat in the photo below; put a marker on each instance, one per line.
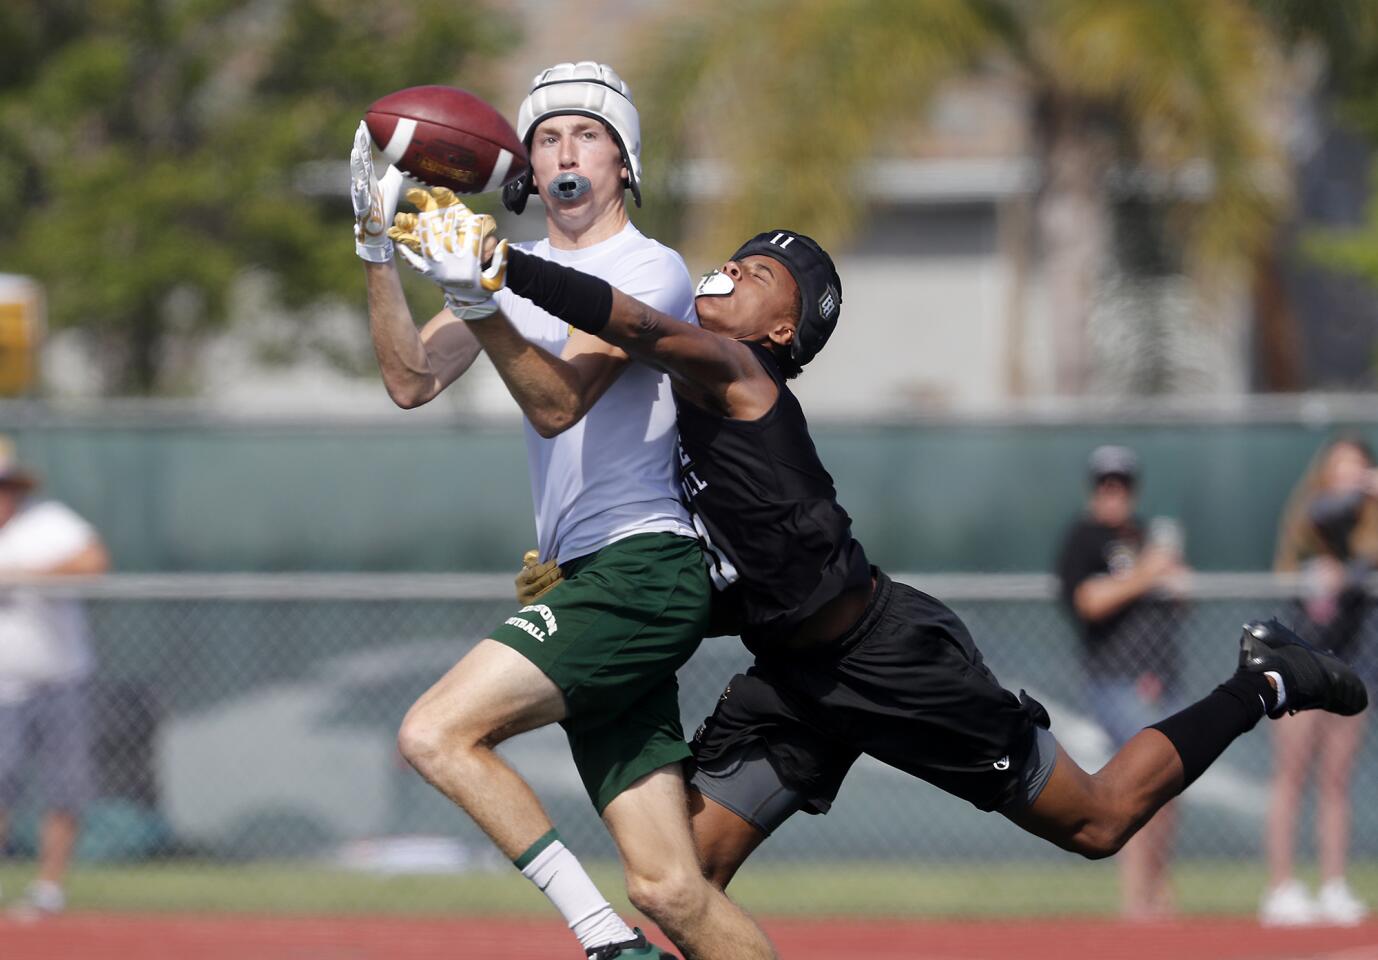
(1314, 679)
(638, 949)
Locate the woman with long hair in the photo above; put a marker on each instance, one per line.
(1329, 534)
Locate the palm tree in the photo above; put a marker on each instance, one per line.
(1171, 95)
(1348, 34)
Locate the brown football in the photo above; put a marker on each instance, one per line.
(446, 137)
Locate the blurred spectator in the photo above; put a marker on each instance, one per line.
(1118, 583)
(1329, 533)
(45, 661)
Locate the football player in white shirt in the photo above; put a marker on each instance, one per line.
(599, 653)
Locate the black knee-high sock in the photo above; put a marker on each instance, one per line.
(1202, 731)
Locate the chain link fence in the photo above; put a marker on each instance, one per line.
(254, 718)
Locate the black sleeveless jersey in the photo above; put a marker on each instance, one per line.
(779, 545)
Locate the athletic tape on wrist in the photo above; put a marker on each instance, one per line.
(582, 301)
(467, 310)
(373, 253)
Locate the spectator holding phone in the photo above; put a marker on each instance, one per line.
(1329, 535)
(1120, 580)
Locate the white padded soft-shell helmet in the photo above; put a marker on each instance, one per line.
(588, 89)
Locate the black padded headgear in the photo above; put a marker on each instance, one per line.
(820, 290)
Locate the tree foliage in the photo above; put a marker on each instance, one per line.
(1179, 102)
(796, 102)
(152, 150)
(793, 95)
(1349, 34)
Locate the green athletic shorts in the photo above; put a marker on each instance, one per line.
(611, 636)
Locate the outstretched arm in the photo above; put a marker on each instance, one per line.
(442, 242)
(448, 243)
(416, 364)
(554, 392)
(689, 353)
(713, 371)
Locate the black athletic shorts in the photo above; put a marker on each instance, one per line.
(906, 685)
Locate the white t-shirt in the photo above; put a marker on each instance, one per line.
(612, 474)
(42, 640)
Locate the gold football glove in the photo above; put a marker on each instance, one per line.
(447, 242)
(536, 579)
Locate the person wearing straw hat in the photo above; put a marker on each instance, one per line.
(45, 662)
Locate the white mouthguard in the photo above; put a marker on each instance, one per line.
(715, 284)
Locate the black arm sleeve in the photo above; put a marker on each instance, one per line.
(582, 301)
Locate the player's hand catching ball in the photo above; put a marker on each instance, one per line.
(536, 579)
(375, 201)
(450, 244)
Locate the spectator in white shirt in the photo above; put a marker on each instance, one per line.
(45, 664)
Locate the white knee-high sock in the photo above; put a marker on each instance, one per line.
(560, 876)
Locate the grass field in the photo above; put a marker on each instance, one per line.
(812, 890)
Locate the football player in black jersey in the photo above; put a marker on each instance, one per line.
(847, 661)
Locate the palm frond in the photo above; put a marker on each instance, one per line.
(1192, 83)
(794, 96)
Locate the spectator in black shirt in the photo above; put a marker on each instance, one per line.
(1116, 584)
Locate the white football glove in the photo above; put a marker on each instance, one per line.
(375, 201)
(445, 243)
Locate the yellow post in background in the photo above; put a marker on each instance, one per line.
(21, 332)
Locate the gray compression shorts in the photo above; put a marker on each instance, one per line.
(744, 782)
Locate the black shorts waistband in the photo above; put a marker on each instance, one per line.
(875, 609)
(768, 646)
